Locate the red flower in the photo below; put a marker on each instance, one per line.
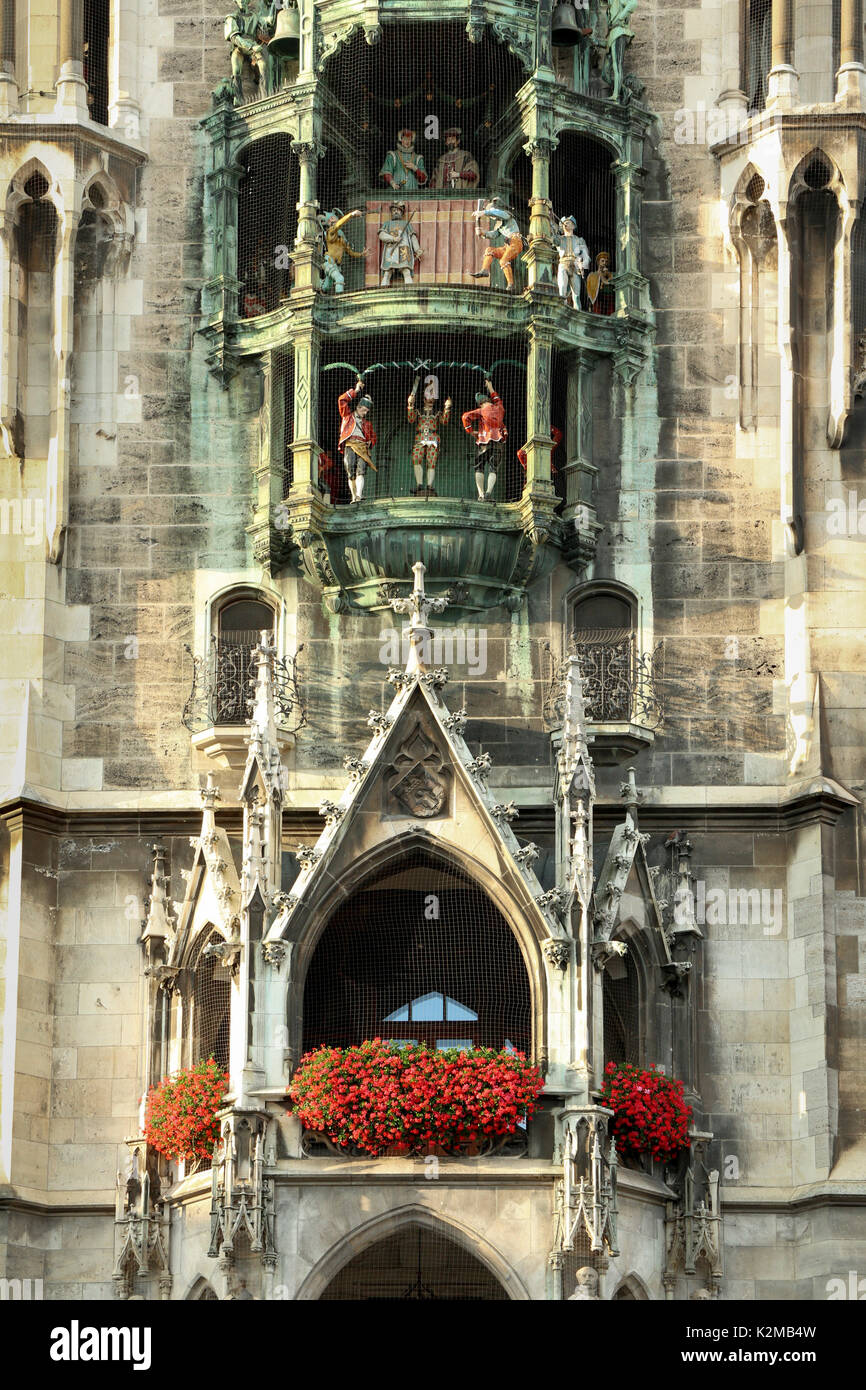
(382, 1097)
(180, 1117)
(650, 1115)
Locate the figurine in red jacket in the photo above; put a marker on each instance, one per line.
(487, 425)
(357, 436)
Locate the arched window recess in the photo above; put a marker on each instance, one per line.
(621, 677)
(225, 665)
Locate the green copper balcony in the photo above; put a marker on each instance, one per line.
(486, 555)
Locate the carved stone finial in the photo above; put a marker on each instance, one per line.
(274, 952)
(629, 792)
(356, 768)
(417, 606)
(480, 766)
(552, 899)
(210, 792)
(527, 855)
(456, 723)
(307, 856)
(557, 953)
(604, 951)
(379, 723)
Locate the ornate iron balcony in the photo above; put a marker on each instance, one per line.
(621, 690)
(223, 681)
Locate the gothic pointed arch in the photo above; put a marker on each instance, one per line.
(416, 952)
(631, 1288)
(464, 1241)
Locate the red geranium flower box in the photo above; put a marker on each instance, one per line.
(380, 1098)
(180, 1117)
(650, 1115)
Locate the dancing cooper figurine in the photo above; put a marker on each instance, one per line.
(486, 423)
(427, 422)
(357, 436)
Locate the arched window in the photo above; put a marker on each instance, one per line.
(415, 1263)
(239, 622)
(757, 51)
(582, 186)
(621, 1002)
(418, 953)
(603, 631)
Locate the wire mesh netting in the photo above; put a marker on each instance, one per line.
(422, 132)
(622, 1041)
(96, 35)
(267, 220)
(757, 51)
(210, 1006)
(418, 954)
(415, 1263)
(431, 369)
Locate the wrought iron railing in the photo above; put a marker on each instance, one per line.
(224, 679)
(621, 684)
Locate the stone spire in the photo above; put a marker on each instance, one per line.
(263, 745)
(263, 786)
(159, 924)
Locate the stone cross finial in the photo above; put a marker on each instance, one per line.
(418, 605)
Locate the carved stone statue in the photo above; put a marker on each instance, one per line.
(456, 169)
(400, 245)
(336, 247)
(403, 169)
(574, 261)
(619, 36)
(587, 1286)
(248, 31)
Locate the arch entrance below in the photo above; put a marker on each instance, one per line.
(415, 1262)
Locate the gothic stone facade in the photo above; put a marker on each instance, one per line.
(141, 490)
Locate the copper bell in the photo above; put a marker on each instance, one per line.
(286, 42)
(565, 30)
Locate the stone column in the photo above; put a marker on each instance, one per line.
(540, 253)
(539, 444)
(784, 80)
(305, 449)
(732, 99)
(220, 290)
(307, 253)
(631, 286)
(8, 85)
(578, 514)
(71, 87)
(851, 77)
(124, 112)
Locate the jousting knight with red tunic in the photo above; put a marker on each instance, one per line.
(357, 436)
(487, 425)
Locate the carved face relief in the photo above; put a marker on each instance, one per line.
(418, 780)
